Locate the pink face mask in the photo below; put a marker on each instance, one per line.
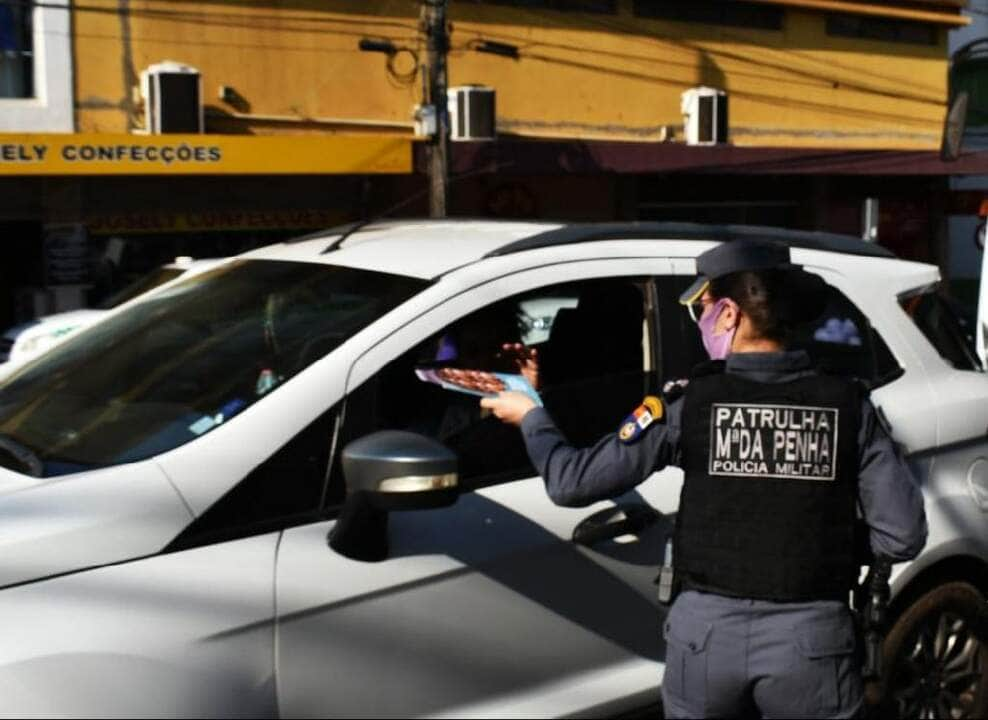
(718, 346)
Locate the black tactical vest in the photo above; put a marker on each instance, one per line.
(768, 504)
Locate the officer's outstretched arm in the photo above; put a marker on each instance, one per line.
(576, 477)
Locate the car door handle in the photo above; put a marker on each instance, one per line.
(622, 519)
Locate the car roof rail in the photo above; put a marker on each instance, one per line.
(590, 232)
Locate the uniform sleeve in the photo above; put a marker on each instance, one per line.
(577, 477)
(891, 500)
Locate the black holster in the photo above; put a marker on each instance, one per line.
(871, 600)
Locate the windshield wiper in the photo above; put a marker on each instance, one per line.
(22, 454)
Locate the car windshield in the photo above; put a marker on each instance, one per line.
(183, 361)
(150, 281)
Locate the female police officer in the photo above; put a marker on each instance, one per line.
(777, 460)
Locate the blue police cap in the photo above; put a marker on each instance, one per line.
(736, 256)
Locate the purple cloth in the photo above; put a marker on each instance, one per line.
(447, 349)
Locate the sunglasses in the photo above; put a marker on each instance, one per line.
(695, 309)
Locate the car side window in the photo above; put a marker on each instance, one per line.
(841, 339)
(946, 325)
(593, 352)
(289, 488)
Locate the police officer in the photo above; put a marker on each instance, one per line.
(778, 460)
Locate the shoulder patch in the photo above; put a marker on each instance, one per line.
(643, 417)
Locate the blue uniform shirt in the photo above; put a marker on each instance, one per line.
(890, 498)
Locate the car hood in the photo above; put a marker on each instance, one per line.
(55, 526)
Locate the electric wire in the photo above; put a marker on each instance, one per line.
(636, 32)
(405, 78)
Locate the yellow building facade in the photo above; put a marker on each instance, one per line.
(799, 73)
(832, 103)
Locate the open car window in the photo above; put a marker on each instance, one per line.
(594, 349)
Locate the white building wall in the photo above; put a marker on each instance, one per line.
(51, 110)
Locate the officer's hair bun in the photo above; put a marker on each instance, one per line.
(776, 301)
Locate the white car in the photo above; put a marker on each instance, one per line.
(227, 498)
(27, 340)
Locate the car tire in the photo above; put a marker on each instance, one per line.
(936, 657)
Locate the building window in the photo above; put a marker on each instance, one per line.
(36, 66)
(737, 14)
(608, 7)
(883, 29)
(16, 61)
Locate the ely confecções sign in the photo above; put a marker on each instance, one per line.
(97, 154)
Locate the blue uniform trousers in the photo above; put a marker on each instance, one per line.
(730, 657)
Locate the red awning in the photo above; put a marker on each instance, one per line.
(534, 157)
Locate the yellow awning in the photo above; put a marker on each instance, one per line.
(98, 154)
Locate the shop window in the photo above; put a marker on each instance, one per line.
(948, 326)
(882, 29)
(594, 364)
(714, 12)
(16, 52)
(608, 7)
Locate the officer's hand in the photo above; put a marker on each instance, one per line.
(511, 407)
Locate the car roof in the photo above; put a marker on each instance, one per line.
(588, 232)
(428, 249)
(418, 248)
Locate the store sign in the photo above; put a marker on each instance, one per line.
(97, 154)
(132, 223)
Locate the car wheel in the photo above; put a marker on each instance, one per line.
(936, 657)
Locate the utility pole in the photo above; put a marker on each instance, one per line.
(433, 23)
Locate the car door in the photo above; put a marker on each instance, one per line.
(487, 607)
(184, 634)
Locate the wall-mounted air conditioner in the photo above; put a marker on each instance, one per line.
(705, 116)
(172, 95)
(472, 112)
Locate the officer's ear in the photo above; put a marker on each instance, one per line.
(730, 316)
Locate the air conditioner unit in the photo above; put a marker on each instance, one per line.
(172, 95)
(705, 116)
(472, 112)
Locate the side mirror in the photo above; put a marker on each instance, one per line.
(385, 471)
(400, 470)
